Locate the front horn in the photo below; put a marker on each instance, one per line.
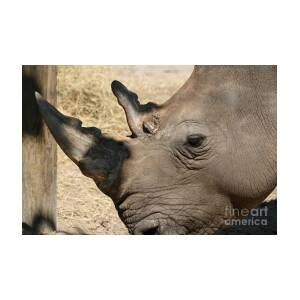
(98, 156)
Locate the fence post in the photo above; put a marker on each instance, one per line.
(39, 156)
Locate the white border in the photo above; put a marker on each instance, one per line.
(149, 32)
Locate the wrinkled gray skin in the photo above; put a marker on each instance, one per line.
(209, 148)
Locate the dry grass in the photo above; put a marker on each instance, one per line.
(84, 92)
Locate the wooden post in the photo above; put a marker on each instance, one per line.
(39, 157)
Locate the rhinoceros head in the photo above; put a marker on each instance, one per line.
(188, 162)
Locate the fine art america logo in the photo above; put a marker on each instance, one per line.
(246, 217)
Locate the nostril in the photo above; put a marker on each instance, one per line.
(150, 231)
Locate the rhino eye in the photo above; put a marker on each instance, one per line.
(195, 140)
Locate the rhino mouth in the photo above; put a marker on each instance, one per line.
(157, 226)
(147, 227)
(157, 222)
(167, 222)
(156, 215)
(149, 218)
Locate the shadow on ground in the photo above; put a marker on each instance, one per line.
(42, 225)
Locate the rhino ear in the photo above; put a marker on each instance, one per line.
(141, 118)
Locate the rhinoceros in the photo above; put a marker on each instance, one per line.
(207, 150)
